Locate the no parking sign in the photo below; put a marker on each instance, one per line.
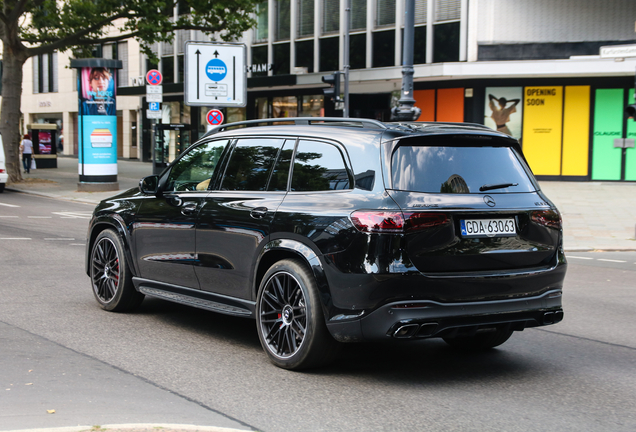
(215, 117)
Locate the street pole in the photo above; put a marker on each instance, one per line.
(346, 58)
(406, 110)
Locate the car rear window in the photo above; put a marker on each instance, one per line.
(458, 169)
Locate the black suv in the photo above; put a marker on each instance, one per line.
(340, 230)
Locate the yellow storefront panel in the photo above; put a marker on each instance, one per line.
(576, 130)
(542, 129)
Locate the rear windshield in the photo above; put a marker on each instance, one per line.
(448, 169)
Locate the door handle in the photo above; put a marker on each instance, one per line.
(258, 212)
(189, 208)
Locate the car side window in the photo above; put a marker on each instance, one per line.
(194, 170)
(250, 164)
(278, 182)
(319, 166)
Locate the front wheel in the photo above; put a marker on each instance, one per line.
(289, 319)
(480, 341)
(110, 275)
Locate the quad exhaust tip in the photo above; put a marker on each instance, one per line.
(415, 330)
(552, 317)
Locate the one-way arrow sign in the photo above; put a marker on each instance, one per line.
(215, 74)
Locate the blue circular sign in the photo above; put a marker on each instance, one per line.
(215, 117)
(216, 69)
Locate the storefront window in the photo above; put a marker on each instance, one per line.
(234, 115)
(285, 106)
(312, 106)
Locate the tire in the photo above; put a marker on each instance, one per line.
(289, 318)
(2, 187)
(110, 274)
(481, 341)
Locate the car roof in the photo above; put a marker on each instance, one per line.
(339, 128)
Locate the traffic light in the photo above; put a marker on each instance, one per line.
(630, 110)
(332, 92)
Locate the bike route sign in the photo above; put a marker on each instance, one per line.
(215, 74)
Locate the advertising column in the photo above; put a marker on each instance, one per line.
(97, 123)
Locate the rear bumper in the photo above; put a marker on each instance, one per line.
(426, 319)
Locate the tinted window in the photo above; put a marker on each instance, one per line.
(250, 164)
(449, 169)
(280, 175)
(194, 170)
(319, 167)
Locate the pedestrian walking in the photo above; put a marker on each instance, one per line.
(26, 147)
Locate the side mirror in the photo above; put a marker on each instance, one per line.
(149, 185)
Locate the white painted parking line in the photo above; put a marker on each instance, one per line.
(9, 217)
(77, 244)
(611, 260)
(14, 238)
(40, 217)
(9, 205)
(578, 257)
(59, 239)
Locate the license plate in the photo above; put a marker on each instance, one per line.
(488, 227)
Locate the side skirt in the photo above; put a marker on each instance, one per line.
(195, 298)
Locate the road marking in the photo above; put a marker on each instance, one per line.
(577, 257)
(9, 217)
(14, 238)
(59, 239)
(611, 260)
(9, 205)
(77, 244)
(74, 215)
(40, 217)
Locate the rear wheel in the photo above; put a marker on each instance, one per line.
(480, 341)
(2, 187)
(110, 275)
(289, 318)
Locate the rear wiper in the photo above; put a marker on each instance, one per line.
(496, 186)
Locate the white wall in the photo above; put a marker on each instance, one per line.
(524, 21)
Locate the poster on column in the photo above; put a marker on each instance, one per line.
(542, 129)
(504, 111)
(98, 121)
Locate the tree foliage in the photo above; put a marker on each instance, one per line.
(34, 27)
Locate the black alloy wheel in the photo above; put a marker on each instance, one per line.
(110, 276)
(290, 321)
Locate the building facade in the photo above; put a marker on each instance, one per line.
(530, 69)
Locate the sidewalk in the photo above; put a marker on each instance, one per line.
(596, 215)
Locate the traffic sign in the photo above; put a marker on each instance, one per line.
(154, 97)
(154, 106)
(214, 117)
(215, 74)
(154, 77)
(153, 114)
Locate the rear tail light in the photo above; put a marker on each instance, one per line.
(2, 171)
(548, 218)
(396, 221)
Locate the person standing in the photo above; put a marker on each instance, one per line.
(26, 147)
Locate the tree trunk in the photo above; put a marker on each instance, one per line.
(12, 63)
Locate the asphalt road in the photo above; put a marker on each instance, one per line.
(172, 364)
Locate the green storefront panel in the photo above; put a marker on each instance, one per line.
(608, 125)
(630, 153)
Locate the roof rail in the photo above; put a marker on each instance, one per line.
(334, 121)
